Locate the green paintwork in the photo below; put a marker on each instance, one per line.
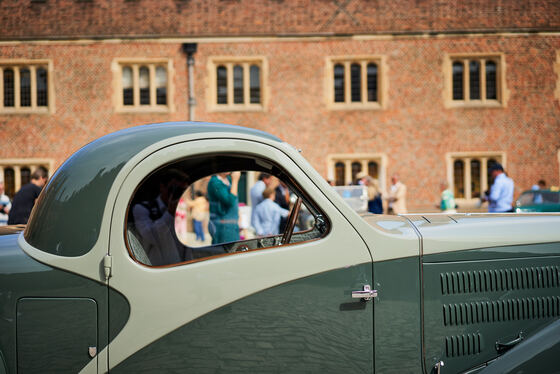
(307, 325)
(475, 299)
(23, 277)
(537, 354)
(397, 316)
(55, 334)
(3, 369)
(76, 195)
(538, 201)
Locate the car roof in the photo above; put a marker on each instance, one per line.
(74, 199)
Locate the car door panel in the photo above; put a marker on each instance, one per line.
(179, 303)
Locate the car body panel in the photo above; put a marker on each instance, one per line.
(193, 290)
(537, 354)
(307, 325)
(292, 297)
(441, 233)
(23, 278)
(471, 306)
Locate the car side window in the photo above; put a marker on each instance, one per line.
(218, 205)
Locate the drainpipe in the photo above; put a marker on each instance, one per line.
(190, 50)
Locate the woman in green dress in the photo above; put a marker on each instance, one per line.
(224, 210)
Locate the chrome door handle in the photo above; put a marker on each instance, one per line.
(366, 294)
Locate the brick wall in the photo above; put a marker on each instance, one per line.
(98, 18)
(415, 130)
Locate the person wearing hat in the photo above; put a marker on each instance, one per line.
(500, 197)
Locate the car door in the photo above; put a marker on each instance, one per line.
(287, 308)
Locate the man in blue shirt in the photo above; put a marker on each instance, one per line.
(500, 198)
(268, 214)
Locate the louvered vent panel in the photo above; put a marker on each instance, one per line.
(463, 345)
(501, 310)
(461, 282)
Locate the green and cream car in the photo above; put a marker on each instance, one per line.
(80, 289)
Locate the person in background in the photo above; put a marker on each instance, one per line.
(541, 185)
(283, 200)
(375, 202)
(268, 214)
(397, 196)
(257, 192)
(154, 220)
(199, 208)
(447, 202)
(25, 198)
(224, 209)
(5, 205)
(500, 196)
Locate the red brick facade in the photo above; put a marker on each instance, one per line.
(415, 129)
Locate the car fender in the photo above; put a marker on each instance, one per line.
(537, 354)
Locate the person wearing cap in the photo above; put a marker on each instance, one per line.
(500, 197)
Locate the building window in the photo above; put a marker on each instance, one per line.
(17, 172)
(25, 86)
(344, 168)
(470, 173)
(476, 80)
(354, 83)
(143, 85)
(237, 83)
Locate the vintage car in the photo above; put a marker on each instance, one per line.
(82, 289)
(539, 201)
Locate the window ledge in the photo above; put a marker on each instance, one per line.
(355, 106)
(475, 104)
(237, 108)
(144, 109)
(25, 111)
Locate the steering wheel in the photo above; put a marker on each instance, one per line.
(287, 235)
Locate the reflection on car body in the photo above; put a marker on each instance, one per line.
(335, 291)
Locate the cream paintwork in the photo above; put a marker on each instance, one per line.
(471, 231)
(172, 297)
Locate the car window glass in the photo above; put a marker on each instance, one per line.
(199, 209)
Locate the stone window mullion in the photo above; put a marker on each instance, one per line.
(467, 176)
(33, 72)
(136, 85)
(347, 83)
(482, 79)
(246, 84)
(152, 77)
(1, 94)
(483, 174)
(17, 98)
(229, 77)
(347, 172)
(466, 81)
(17, 177)
(364, 82)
